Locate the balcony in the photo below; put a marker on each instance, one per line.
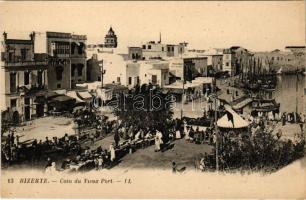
(17, 61)
(25, 64)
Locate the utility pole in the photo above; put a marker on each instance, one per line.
(296, 90)
(102, 72)
(183, 91)
(216, 127)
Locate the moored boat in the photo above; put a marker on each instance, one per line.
(265, 105)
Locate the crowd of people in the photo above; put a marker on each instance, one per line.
(264, 118)
(14, 151)
(128, 138)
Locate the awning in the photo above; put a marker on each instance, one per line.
(73, 94)
(84, 95)
(51, 94)
(62, 98)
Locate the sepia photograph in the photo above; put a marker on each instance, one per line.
(153, 99)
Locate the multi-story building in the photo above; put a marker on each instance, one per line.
(94, 72)
(174, 50)
(147, 72)
(214, 59)
(242, 60)
(194, 67)
(235, 60)
(25, 79)
(156, 50)
(67, 60)
(229, 61)
(135, 53)
(153, 50)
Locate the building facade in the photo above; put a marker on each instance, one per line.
(153, 72)
(67, 60)
(277, 60)
(135, 53)
(153, 50)
(94, 72)
(194, 67)
(26, 80)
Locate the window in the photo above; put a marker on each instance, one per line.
(80, 49)
(118, 79)
(26, 78)
(154, 79)
(72, 47)
(130, 80)
(58, 85)
(149, 46)
(11, 55)
(26, 101)
(162, 48)
(80, 68)
(13, 103)
(168, 49)
(72, 69)
(133, 56)
(172, 48)
(13, 87)
(143, 46)
(23, 54)
(59, 73)
(227, 64)
(138, 80)
(39, 78)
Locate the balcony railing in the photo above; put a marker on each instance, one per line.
(25, 63)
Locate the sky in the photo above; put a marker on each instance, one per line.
(257, 26)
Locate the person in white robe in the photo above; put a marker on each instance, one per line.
(270, 116)
(112, 152)
(185, 127)
(187, 134)
(51, 170)
(158, 140)
(178, 134)
(137, 136)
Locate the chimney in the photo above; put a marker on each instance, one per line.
(32, 36)
(4, 35)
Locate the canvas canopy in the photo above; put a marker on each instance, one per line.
(231, 120)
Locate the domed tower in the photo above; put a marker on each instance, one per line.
(110, 40)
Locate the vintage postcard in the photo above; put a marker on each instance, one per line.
(174, 99)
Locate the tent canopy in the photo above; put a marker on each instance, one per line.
(231, 120)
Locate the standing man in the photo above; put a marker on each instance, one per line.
(116, 138)
(302, 121)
